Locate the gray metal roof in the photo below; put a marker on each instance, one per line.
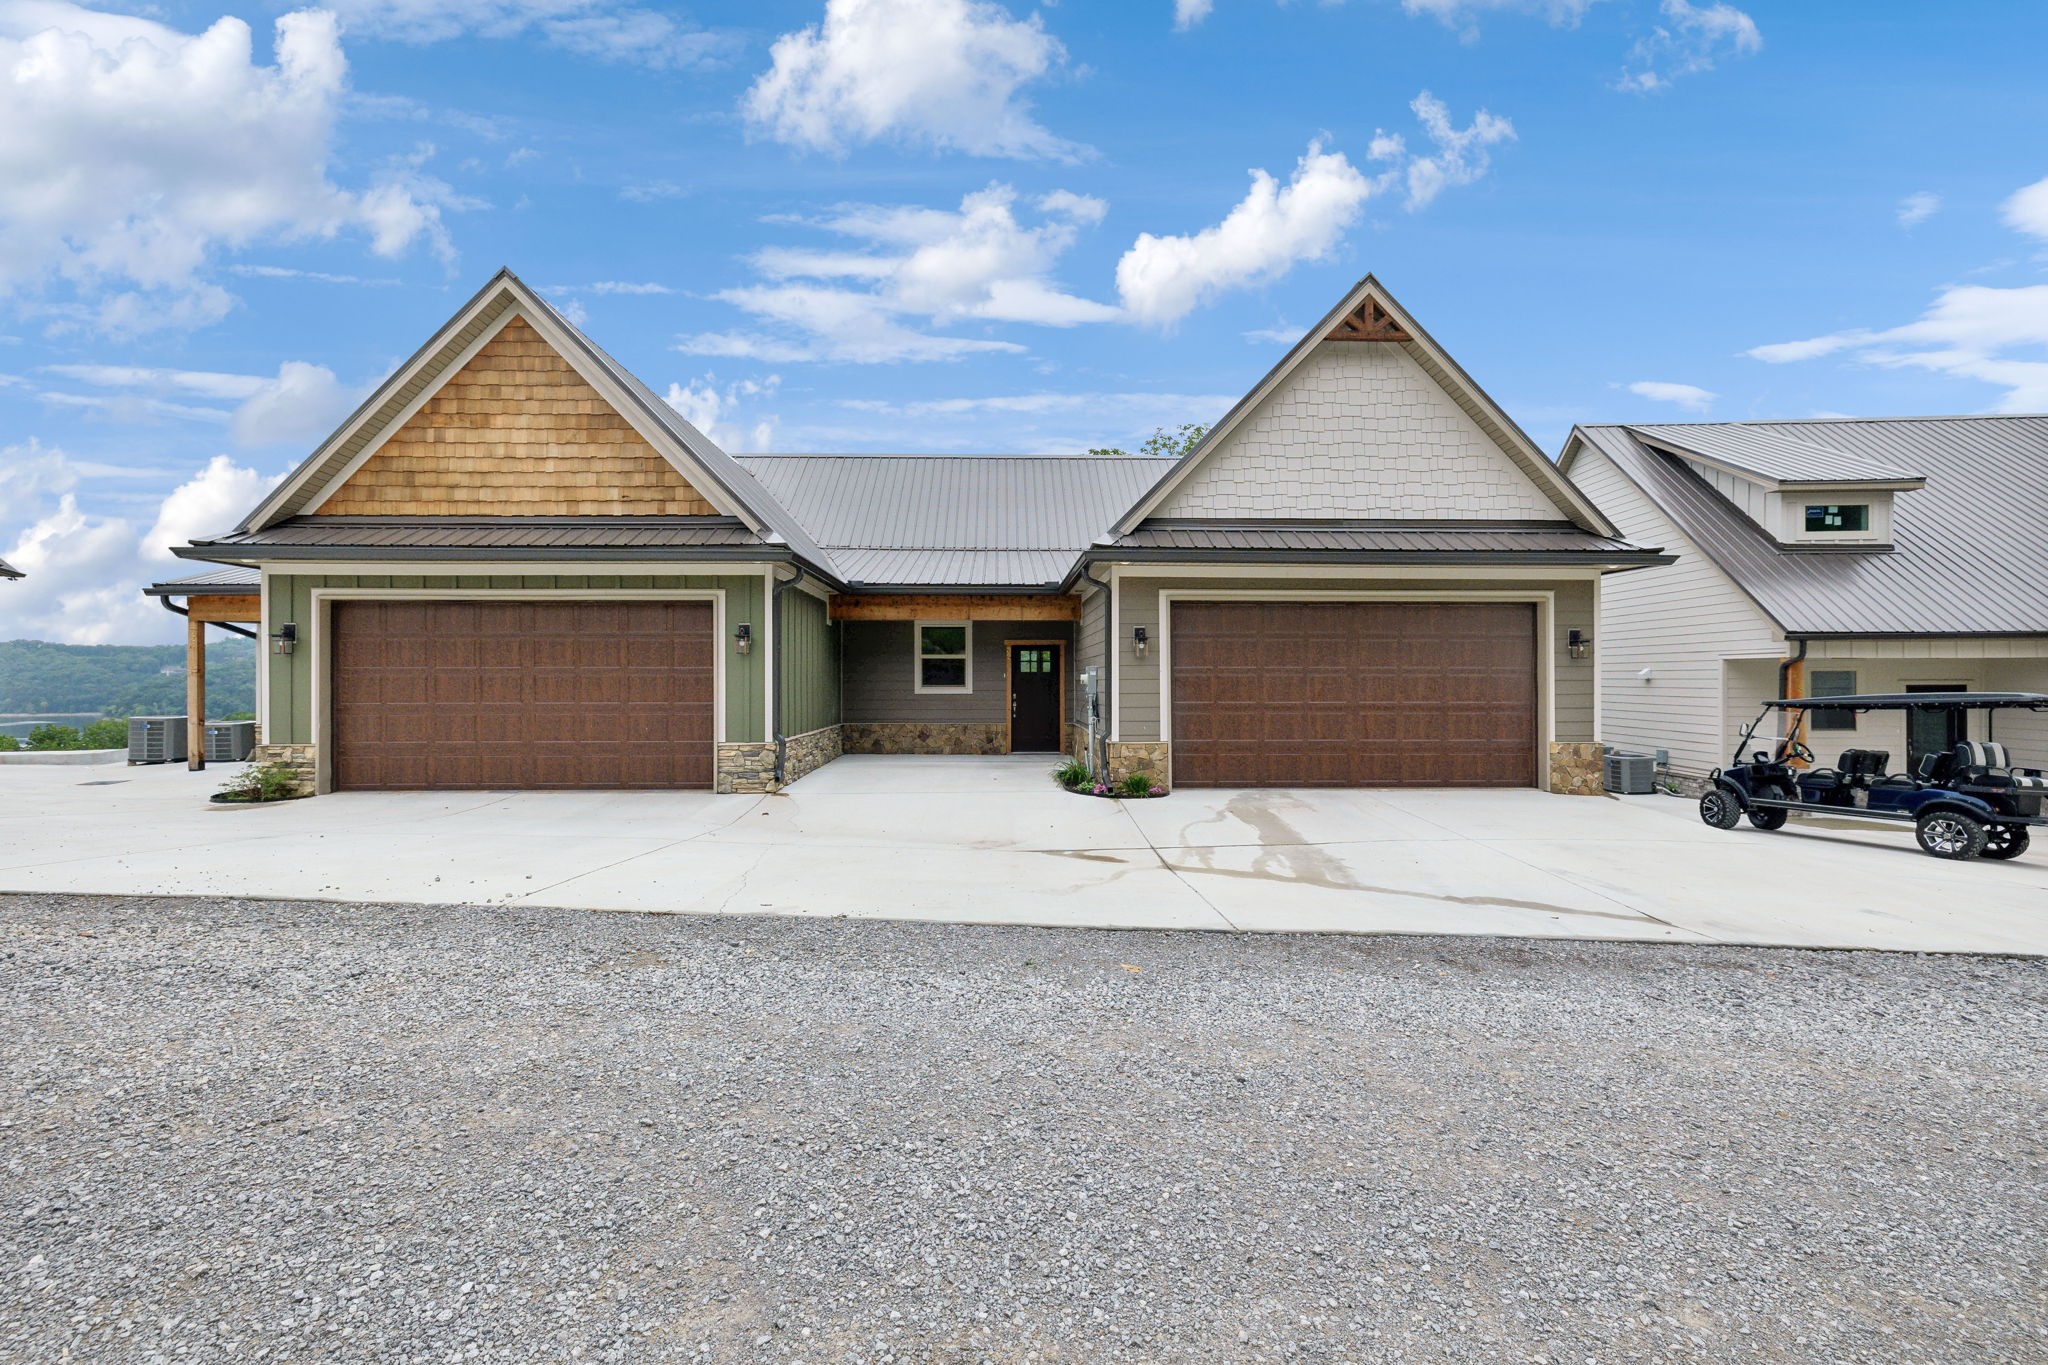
(1770, 453)
(955, 520)
(9, 571)
(235, 579)
(1966, 556)
(1561, 538)
(367, 537)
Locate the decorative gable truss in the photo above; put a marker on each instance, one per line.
(1366, 419)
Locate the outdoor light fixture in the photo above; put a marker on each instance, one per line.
(1577, 643)
(1139, 641)
(286, 638)
(743, 638)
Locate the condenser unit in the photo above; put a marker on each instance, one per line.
(156, 739)
(229, 741)
(1631, 774)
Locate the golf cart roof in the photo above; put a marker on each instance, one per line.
(1916, 701)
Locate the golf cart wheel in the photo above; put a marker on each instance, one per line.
(1719, 809)
(2006, 841)
(1949, 834)
(1768, 817)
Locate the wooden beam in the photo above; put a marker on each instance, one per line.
(225, 607)
(958, 607)
(195, 694)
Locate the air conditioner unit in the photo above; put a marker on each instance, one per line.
(229, 741)
(1631, 774)
(156, 739)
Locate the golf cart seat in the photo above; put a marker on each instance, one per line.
(1982, 763)
(1865, 763)
(1935, 767)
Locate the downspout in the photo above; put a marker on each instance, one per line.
(1100, 758)
(1791, 662)
(775, 680)
(246, 634)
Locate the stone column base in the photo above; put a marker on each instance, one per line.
(1578, 770)
(302, 759)
(1137, 756)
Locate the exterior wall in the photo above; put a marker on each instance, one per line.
(806, 753)
(1088, 653)
(516, 431)
(1681, 621)
(1359, 430)
(1992, 665)
(1153, 758)
(880, 675)
(290, 598)
(1138, 604)
(807, 659)
(926, 737)
(744, 769)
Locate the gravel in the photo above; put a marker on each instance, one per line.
(244, 1130)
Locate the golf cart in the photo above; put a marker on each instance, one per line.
(1962, 803)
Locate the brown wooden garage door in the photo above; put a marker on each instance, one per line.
(1354, 694)
(504, 695)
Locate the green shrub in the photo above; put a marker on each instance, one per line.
(47, 737)
(9, 744)
(263, 782)
(1137, 784)
(105, 734)
(1074, 774)
(237, 715)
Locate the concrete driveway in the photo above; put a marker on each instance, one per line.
(991, 840)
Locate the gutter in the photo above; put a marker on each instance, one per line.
(256, 556)
(242, 631)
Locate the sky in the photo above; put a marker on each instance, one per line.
(978, 226)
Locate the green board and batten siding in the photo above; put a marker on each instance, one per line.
(291, 599)
(808, 659)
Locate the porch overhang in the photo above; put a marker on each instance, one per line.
(901, 606)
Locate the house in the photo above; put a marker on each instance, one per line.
(1821, 558)
(515, 566)
(9, 571)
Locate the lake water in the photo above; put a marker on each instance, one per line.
(19, 726)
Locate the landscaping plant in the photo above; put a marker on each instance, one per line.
(1137, 784)
(1073, 775)
(262, 782)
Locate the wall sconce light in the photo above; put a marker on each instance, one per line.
(1577, 643)
(743, 639)
(1140, 641)
(285, 638)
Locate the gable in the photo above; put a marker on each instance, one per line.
(1363, 432)
(516, 431)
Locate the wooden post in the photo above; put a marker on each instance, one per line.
(195, 694)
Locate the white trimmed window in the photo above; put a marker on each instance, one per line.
(944, 656)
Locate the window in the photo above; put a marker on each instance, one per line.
(1034, 660)
(1832, 518)
(1829, 683)
(944, 662)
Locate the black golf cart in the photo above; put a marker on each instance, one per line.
(1962, 803)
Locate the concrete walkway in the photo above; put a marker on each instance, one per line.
(991, 840)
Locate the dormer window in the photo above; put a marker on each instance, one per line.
(1833, 518)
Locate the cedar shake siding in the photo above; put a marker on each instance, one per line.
(516, 431)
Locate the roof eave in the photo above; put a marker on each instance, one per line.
(1611, 560)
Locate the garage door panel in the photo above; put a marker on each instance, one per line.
(545, 695)
(1367, 694)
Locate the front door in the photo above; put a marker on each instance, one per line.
(1934, 732)
(1034, 698)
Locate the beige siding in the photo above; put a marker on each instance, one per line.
(1138, 679)
(1974, 665)
(1359, 430)
(1680, 621)
(881, 672)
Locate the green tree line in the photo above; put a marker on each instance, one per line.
(40, 678)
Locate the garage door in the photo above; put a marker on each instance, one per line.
(500, 695)
(1354, 694)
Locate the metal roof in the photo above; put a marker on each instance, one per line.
(9, 571)
(1965, 553)
(1393, 538)
(955, 520)
(369, 537)
(236, 579)
(1775, 456)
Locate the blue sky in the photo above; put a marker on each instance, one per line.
(960, 225)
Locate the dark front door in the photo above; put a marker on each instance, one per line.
(1034, 699)
(1933, 732)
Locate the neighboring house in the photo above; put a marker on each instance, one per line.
(515, 566)
(9, 571)
(1820, 558)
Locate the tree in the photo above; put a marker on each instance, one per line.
(1168, 444)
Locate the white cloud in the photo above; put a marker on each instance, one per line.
(1279, 334)
(588, 28)
(1275, 227)
(940, 73)
(977, 263)
(627, 287)
(2027, 210)
(1191, 406)
(86, 572)
(653, 192)
(1693, 38)
(1916, 209)
(300, 402)
(280, 272)
(715, 411)
(1188, 13)
(193, 150)
(1463, 15)
(1688, 396)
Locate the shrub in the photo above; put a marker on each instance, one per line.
(8, 744)
(105, 734)
(262, 782)
(47, 737)
(1137, 784)
(1156, 791)
(1073, 774)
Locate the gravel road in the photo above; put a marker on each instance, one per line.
(236, 1130)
